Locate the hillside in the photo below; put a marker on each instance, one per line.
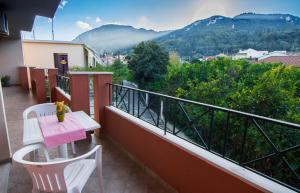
(111, 38)
(211, 36)
(220, 34)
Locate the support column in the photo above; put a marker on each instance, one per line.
(31, 77)
(101, 96)
(40, 86)
(52, 82)
(79, 91)
(23, 77)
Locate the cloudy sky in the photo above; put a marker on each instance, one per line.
(76, 16)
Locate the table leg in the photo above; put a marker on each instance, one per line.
(63, 151)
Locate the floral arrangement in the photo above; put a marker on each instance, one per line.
(61, 109)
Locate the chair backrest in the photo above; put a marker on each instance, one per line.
(41, 110)
(49, 176)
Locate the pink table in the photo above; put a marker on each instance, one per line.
(58, 133)
(32, 131)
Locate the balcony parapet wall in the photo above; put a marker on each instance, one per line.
(184, 166)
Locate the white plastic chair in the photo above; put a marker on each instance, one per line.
(68, 175)
(42, 110)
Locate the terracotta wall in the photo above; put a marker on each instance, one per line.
(183, 170)
(23, 77)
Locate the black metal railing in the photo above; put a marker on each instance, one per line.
(263, 145)
(63, 83)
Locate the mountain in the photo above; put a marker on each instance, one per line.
(219, 34)
(211, 36)
(111, 38)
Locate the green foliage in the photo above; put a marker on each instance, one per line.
(119, 69)
(5, 81)
(148, 64)
(270, 90)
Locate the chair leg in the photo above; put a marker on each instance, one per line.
(63, 151)
(34, 191)
(100, 178)
(73, 147)
(75, 190)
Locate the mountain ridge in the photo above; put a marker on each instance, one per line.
(210, 36)
(112, 37)
(219, 34)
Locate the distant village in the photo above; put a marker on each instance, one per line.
(257, 56)
(250, 54)
(107, 59)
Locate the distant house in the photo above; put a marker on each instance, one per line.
(109, 59)
(274, 53)
(288, 60)
(58, 54)
(249, 54)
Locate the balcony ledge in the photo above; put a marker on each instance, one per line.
(209, 157)
(89, 73)
(64, 93)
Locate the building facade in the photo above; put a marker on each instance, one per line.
(57, 54)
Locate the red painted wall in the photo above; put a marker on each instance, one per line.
(52, 82)
(184, 171)
(79, 91)
(23, 77)
(39, 88)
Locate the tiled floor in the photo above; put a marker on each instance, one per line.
(121, 174)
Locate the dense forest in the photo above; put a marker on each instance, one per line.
(271, 90)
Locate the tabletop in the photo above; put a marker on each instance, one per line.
(32, 132)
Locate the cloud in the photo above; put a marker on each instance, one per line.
(62, 4)
(88, 17)
(98, 20)
(144, 22)
(83, 25)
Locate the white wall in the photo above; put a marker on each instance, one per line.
(41, 54)
(11, 58)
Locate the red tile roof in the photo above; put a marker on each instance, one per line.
(289, 60)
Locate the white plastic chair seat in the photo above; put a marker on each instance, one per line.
(65, 175)
(77, 174)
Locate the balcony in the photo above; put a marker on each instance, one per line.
(151, 142)
(147, 141)
(121, 172)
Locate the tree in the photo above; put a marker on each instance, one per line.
(120, 70)
(148, 64)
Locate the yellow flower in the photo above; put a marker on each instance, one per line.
(60, 106)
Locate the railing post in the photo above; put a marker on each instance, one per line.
(23, 77)
(52, 82)
(40, 86)
(79, 91)
(101, 95)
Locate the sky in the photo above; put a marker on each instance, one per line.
(74, 17)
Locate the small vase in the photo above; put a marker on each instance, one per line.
(60, 117)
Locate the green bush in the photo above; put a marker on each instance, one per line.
(5, 81)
